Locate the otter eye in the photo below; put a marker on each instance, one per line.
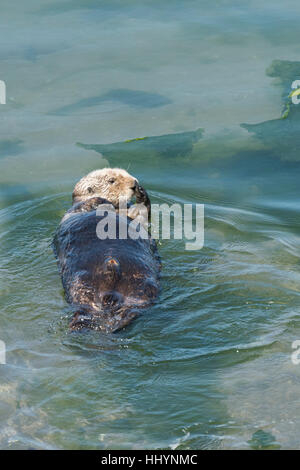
(89, 189)
(111, 180)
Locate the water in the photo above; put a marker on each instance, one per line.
(209, 366)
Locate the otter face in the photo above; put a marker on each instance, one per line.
(108, 183)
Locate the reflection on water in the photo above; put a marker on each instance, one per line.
(164, 90)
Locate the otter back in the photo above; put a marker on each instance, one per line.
(107, 280)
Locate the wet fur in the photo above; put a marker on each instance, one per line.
(108, 281)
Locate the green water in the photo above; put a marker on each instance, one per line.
(209, 366)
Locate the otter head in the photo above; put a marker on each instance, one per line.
(108, 183)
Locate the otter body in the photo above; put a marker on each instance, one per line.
(107, 281)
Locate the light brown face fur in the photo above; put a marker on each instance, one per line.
(108, 183)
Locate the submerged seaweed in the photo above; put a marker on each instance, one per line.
(282, 136)
(262, 440)
(168, 145)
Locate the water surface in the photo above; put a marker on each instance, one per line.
(209, 366)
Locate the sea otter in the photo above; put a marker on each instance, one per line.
(106, 280)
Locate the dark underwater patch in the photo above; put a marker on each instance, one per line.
(262, 440)
(33, 53)
(281, 136)
(134, 98)
(168, 145)
(10, 147)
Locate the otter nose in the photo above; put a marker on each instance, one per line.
(135, 185)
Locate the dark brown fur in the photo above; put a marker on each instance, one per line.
(108, 281)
